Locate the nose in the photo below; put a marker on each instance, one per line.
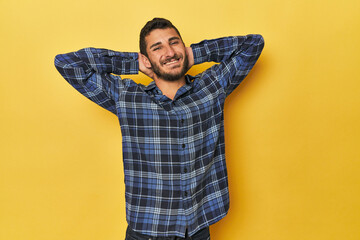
(169, 51)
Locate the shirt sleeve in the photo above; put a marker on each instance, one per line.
(236, 55)
(89, 72)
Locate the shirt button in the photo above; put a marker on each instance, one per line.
(182, 120)
(185, 193)
(183, 145)
(185, 170)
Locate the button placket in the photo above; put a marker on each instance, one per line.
(184, 154)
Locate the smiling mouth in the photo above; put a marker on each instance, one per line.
(171, 62)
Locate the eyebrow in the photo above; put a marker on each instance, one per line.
(159, 43)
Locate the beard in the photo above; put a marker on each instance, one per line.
(171, 77)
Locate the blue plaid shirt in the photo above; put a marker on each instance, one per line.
(173, 150)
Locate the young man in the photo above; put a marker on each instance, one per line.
(173, 129)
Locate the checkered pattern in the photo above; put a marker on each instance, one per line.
(173, 150)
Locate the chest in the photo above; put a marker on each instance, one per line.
(197, 110)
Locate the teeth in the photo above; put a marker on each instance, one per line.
(173, 61)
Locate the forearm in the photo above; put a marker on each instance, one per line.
(222, 49)
(83, 63)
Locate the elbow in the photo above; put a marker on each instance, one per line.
(58, 60)
(60, 63)
(261, 40)
(255, 42)
(257, 39)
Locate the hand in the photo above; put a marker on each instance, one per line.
(142, 66)
(190, 56)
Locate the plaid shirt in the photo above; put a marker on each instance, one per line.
(173, 150)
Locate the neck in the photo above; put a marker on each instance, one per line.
(169, 88)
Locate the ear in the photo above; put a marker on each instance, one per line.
(146, 61)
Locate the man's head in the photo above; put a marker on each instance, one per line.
(156, 23)
(165, 52)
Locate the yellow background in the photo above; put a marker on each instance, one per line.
(292, 127)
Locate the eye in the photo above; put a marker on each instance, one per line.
(174, 42)
(157, 48)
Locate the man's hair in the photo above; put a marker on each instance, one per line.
(156, 23)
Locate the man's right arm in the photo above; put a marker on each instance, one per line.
(89, 71)
(237, 55)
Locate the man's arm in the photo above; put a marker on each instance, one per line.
(236, 55)
(88, 71)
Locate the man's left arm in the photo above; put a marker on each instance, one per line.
(236, 55)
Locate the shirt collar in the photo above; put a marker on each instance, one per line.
(188, 78)
(151, 86)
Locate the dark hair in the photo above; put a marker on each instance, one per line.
(156, 23)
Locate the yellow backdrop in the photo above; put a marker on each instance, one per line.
(292, 127)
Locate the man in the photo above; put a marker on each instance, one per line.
(173, 129)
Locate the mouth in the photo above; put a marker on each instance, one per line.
(172, 62)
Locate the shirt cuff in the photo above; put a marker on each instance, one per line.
(199, 52)
(125, 63)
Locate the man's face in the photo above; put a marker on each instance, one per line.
(167, 54)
